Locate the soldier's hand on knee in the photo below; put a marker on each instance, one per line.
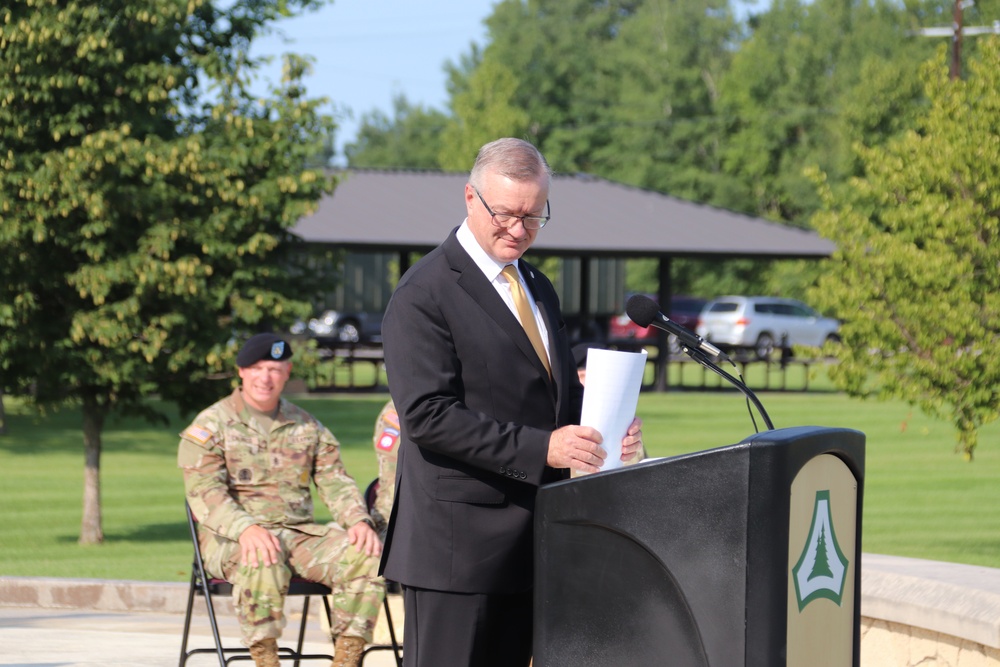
(258, 546)
(365, 539)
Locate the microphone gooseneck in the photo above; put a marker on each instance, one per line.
(645, 312)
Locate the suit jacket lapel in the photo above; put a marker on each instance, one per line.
(550, 314)
(472, 280)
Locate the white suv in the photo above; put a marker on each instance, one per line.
(761, 323)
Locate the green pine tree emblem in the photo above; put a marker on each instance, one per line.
(821, 571)
(821, 568)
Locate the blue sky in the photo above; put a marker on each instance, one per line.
(367, 51)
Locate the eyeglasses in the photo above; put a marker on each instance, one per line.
(507, 219)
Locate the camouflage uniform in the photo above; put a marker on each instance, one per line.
(237, 475)
(386, 441)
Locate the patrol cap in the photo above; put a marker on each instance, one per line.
(263, 346)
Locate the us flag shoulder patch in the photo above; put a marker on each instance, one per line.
(198, 434)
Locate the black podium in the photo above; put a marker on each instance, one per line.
(742, 555)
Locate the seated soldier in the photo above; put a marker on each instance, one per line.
(248, 461)
(386, 441)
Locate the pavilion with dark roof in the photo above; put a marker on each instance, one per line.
(591, 217)
(594, 221)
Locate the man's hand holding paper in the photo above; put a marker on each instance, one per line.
(609, 401)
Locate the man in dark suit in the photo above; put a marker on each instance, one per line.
(489, 404)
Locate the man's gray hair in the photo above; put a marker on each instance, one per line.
(515, 159)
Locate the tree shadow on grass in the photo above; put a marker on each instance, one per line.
(155, 532)
(29, 434)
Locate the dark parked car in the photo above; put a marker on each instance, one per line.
(683, 309)
(333, 327)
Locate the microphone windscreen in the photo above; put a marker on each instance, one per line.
(641, 309)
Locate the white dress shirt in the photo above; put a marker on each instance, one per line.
(491, 269)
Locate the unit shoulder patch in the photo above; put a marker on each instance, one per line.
(387, 441)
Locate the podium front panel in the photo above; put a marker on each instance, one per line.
(718, 558)
(639, 563)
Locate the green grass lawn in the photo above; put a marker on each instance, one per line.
(921, 498)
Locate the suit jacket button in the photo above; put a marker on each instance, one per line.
(524, 475)
(502, 470)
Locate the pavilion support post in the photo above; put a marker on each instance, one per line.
(661, 380)
(404, 262)
(585, 315)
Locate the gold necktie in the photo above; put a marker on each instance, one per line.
(526, 316)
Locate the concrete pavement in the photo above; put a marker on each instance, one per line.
(913, 612)
(87, 637)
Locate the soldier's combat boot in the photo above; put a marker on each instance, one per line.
(265, 653)
(347, 651)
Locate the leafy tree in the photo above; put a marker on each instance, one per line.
(620, 89)
(483, 112)
(410, 139)
(705, 278)
(564, 74)
(658, 97)
(145, 202)
(917, 264)
(811, 79)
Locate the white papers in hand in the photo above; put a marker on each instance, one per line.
(610, 397)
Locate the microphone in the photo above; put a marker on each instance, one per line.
(645, 312)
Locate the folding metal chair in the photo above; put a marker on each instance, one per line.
(371, 493)
(202, 584)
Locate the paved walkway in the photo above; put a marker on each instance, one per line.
(88, 638)
(910, 609)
